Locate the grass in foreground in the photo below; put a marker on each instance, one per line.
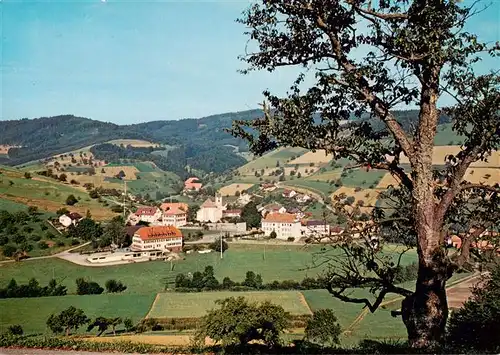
(32, 313)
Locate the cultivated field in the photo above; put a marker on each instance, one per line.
(268, 161)
(139, 143)
(440, 152)
(194, 305)
(230, 190)
(317, 157)
(386, 181)
(48, 194)
(326, 176)
(32, 313)
(368, 196)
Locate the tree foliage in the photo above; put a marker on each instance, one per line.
(84, 287)
(412, 53)
(477, 324)
(323, 328)
(113, 286)
(250, 215)
(237, 322)
(66, 321)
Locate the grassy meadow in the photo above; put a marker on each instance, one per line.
(32, 313)
(194, 305)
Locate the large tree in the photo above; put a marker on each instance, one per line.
(369, 59)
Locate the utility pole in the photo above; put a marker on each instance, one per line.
(124, 196)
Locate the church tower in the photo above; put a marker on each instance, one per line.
(218, 199)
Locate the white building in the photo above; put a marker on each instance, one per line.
(271, 208)
(149, 214)
(303, 198)
(289, 193)
(211, 211)
(315, 228)
(174, 217)
(160, 238)
(285, 225)
(69, 219)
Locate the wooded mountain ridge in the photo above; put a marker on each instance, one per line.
(203, 142)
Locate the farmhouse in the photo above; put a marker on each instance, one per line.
(285, 225)
(69, 219)
(148, 214)
(271, 208)
(211, 211)
(174, 214)
(192, 184)
(315, 228)
(289, 193)
(231, 214)
(157, 238)
(302, 198)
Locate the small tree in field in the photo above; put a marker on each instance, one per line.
(67, 320)
(370, 59)
(237, 322)
(323, 328)
(71, 200)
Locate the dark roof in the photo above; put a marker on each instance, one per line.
(74, 215)
(130, 230)
(315, 222)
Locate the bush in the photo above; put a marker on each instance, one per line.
(273, 235)
(3, 240)
(75, 241)
(291, 239)
(60, 243)
(42, 245)
(71, 200)
(323, 328)
(113, 286)
(477, 324)
(15, 329)
(237, 322)
(35, 238)
(87, 287)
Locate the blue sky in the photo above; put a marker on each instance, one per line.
(134, 61)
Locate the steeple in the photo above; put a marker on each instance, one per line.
(218, 199)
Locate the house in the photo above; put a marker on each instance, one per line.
(268, 187)
(315, 227)
(69, 219)
(231, 214)
(302, 198)
(160, 238)
(272, 208)
(149, 214)
(243, 199)
(289, 193)
(285, 225)
(174, 214)
(297, 212)
(192, 184)
(211, 211)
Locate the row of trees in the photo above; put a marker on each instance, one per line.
(206, 281)
(33, 288)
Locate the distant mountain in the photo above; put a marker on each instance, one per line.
(200, 143)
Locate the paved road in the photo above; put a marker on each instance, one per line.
(62, 255)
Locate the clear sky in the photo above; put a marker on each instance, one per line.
(135, 61)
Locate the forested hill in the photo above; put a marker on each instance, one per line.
(202, 141)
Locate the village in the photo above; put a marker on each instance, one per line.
(162, 231)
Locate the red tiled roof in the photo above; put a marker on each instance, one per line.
(208, 204)
(191, 180)
(174, 206)
(146, 211)
(175, 211)
(280, 218)
(231, 212)
(158, 232)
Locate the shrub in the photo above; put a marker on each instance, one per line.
(19, 238)
(87, 287)
(477, 324)
(71, 200)
(35, 237)
(60, 243)
(42, 245)
(113, 286)
(238, 322)
(3, 240)
(273, 235)
(75, 241)
(8, 250)
(291, 239)
(323, 328)
(15, 329)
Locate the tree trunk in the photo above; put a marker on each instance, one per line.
(425, 312)
(67, 331)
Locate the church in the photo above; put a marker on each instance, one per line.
(211, 211)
